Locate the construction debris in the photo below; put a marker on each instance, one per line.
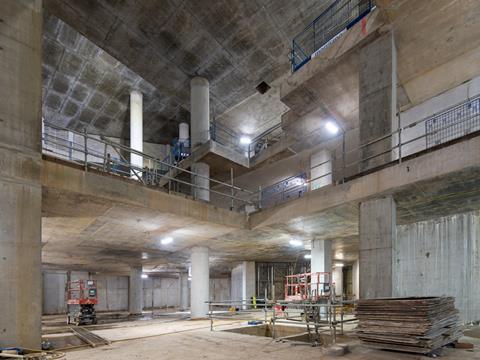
(417, 325)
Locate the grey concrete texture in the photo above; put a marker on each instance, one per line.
(440, 257)
(96, 213)
(234, 44)
(377, 236)
(86, 88)
(20, 170)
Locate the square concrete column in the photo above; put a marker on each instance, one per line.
(321, 260)
(377, 99)
(243, 283)
(377, 227)
(135, 292)
(20, 171)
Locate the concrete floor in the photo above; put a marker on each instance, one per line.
(182, 339)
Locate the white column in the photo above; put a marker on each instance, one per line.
(135, 292)
(248, 281)
(321, 260)
(183, 291)
(199, 111)
(202, 172)
(183, 133)
(200, 286)
(321, 169)
(136, 127)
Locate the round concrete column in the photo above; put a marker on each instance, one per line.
(199, 111)
(183, 291)
(200, 286)
(183, 133)
(136, 127)
(135, 293)
(200, 178)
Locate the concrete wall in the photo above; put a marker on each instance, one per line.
(440, 257)
(236, 285)
(219, 289)
(428, 108)
(113, 291)
(161, 292)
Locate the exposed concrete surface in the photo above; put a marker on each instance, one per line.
(440, 257)
(20, 169)
(180, 339)
(234, 44)
(377, 228)
(427, 168)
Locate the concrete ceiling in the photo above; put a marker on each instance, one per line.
(235, 44)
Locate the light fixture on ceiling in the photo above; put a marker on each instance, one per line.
(166, 240)
(331, 127)
(144, 276)
(339, 264)
(307, 256)
(295, 242)
(245, 140)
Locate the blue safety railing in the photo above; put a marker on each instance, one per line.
(326, 28)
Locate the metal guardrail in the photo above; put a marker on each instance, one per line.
(447, 125)
(326, 28)
(450, 124)
(227, 137)
(105, 155)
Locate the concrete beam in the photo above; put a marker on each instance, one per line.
(431, 165)
(61, 176)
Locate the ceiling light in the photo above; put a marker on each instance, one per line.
(339, 264)
(245, 140)
(144, 276)
(295, 242)
(307, 256)
(166, 240)
(332, 127)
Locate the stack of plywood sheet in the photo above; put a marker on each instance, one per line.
(418, 325)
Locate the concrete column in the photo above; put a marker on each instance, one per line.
(377, 227)
(377, 98)
(356, 279)
(184, 134)
(183, 291)
(337, 278)
(243, 282)
(135, 293)
(321, 260)
(203, 170)
(199, 111)
(136, 127)
(200, 285)
(321, 169)
(20, 159)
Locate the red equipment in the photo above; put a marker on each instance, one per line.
(81, 300)
(82, 292)
(308, 286)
